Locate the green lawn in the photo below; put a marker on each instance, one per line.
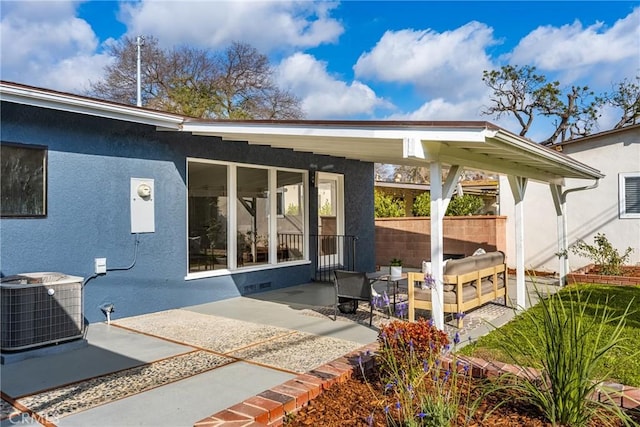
(623, 367)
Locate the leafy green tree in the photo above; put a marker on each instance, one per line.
(466, 204)
(236, 83)
(386, 206)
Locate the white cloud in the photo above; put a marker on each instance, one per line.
(447, 64)
(597, 53)
(45, 44)
(323, 95)
(266, 25)
(442, 109)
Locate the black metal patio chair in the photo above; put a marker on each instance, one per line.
(351, 287)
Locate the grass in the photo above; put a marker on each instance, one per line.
(619, 363)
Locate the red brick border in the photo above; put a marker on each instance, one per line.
(270, 407)
(582, 276)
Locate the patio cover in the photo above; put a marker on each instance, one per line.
(456, 145)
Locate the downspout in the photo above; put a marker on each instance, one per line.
(564, 239)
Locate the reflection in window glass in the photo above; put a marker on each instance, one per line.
(23, 183)
(252, 216)
(290, 216)
(327, 198)
(208, 214)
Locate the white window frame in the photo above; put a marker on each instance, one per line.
(232, 213)
(622, 197)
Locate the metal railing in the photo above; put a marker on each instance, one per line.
(290, 246)
(332, 252)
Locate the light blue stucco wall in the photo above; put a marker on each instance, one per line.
(90, 163)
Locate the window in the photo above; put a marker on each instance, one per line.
(208, 216)
(290, 224)
(24, 180)
(265, 225)
(629, 195)
(252, 216)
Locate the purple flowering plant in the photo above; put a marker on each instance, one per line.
(423, 378)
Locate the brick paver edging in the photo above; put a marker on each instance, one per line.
(270, 407)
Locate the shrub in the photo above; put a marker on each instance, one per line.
(422, 336)
(325, 209)
(467, 204)
(565, 347)
(428, 391)
(603, 254)
(422, 205)
(386, 206)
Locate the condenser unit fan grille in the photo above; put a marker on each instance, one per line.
(40, 309)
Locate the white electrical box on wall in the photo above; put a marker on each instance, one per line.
(142, 206)
(101, 266)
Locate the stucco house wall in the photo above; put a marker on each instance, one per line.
(90, 163)
(589, 212)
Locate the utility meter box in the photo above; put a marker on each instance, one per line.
(142, 205)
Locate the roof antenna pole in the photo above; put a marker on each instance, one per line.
(139, 44)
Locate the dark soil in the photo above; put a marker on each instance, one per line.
(352, 403)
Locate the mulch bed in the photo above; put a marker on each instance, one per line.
(353, 402)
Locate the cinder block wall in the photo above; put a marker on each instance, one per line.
(410, 238)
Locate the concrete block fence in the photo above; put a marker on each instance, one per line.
(270, 407)
(408, 238)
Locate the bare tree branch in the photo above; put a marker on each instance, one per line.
(236, 83)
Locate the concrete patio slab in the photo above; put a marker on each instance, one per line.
(184, 402)
(110, 349)
(176, 367)
(288, 308)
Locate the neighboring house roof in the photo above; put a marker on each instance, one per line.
(598, 135)
(479, 187)
(476, 144)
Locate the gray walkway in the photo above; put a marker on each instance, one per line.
(176, 367)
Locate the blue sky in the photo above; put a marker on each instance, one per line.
(417, 60)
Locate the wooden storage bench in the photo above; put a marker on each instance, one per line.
(467, 283)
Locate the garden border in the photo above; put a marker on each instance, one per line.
(582, 275)
(271, 407)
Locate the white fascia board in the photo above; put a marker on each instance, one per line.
(246, 130)
(73, 104)
(538, 151)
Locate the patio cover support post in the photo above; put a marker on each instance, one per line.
(560, 203)
(440, 197)
(518, 186)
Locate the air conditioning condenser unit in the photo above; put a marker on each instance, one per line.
(39, 309)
